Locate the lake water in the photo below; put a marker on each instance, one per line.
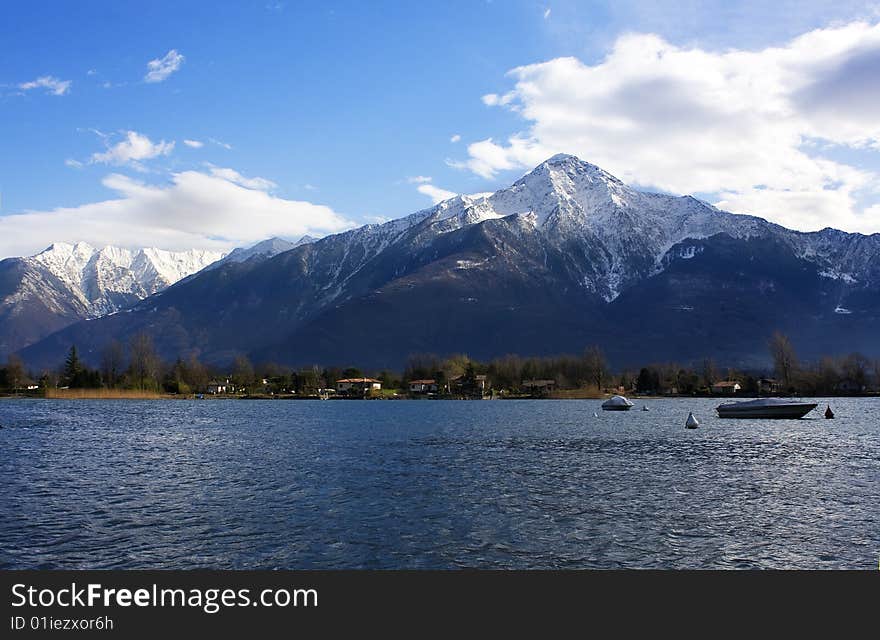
(373, 484)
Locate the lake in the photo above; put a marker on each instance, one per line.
(233, 484)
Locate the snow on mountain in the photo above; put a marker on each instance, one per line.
(306, 239)
(265, 249)
(103, 281)
(69, 282)
(567, 255)
(609, 234)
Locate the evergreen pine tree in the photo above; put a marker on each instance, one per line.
(72, 368)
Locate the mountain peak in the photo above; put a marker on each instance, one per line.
(106, 279)
(262, 250)
(306, 239)
(549, 250)
(274, 244)
(68, 249)
(561, 158)
(574, 166)
(566, 161)
(564, 187)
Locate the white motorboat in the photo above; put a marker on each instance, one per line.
(779, 408)
(617, 403)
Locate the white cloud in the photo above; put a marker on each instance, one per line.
(494, 100)
(435, 193)
(51, 84)
(546, 14)
(261, 184)
(734, 123)
(160, 68)
(195, 144)
(872, 213)
(455, 138)
(134, 148)
(425, 187)
(195, 210)
(76, 164)
(220, 143)
(805, 208)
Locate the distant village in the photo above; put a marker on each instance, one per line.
(135, 370)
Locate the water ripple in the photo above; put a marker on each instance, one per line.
(226, 484)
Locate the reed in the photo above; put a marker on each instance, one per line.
(584, 393)
(104, 394)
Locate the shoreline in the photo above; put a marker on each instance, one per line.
(135, 395)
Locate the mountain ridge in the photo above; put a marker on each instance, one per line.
(558, 248)
(68, 282)
(262, 250)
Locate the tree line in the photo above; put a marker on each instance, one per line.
(853, 373)
(136, 365)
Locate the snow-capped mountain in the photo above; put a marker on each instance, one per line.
(606, 234)
(566, 256)
(574, 206)
(262, 250)
(106, 280)
(69, 282)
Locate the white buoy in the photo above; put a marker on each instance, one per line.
(595, 415)
(691, 422)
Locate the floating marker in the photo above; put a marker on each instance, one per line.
(829, 414)
(595, 415)
(691, 422)
(644, 407)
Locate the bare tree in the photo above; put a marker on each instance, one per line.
(784, 358)
(242, 372)
(421, 365)
(455, 366)
(855, 369)
(827, 375)
(668, 377)
(596, 366)
(144, 366)
(196, 375)
(507, 371)
(112, 363)
(15, 372)
(709, 373)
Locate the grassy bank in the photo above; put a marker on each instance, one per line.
(105, 394)
(588, 393)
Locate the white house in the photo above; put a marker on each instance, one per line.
(220, 386)
(355, 385)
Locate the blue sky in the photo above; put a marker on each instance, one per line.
(344, 109)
